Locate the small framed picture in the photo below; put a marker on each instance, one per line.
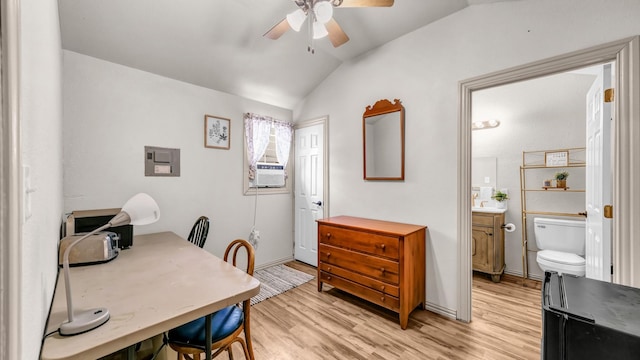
(556, 158)
(217, 132)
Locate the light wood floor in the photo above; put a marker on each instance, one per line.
(305, 324)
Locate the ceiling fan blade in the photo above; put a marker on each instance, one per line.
(366, 3)
(278, 29)
(336, 34)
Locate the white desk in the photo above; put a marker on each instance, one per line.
(161, 282)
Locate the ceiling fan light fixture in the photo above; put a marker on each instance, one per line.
(321, 22)
(296, 19)
(319, 30)
(323, 11)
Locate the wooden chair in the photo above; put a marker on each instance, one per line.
(188, 340)
(199, 231)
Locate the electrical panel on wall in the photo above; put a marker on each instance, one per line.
(161, 161)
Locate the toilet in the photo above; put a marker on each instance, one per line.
(561, 245)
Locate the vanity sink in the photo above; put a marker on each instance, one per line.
(491, 210)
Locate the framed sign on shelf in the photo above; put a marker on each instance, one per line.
(556, 158)
(217, 132)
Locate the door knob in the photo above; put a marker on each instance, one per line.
(319, 203)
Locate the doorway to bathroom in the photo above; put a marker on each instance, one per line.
(546, 115)
(624, 171)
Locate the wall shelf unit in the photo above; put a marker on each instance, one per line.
(551, 161)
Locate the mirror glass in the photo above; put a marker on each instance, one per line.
(383, 132)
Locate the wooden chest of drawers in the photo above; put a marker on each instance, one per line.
(379, 261)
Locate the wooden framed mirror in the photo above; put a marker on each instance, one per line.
(383, 141)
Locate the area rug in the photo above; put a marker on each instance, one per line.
(277, 279)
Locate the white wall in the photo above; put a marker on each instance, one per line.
(111, 112)
(541, 114)
(41, 151)
(423, 70)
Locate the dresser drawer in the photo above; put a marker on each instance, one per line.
(364, 292)
(482, 220)
(375, 244)
(361, 279)
(375, 267)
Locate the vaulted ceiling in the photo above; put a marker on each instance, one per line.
(218, 44)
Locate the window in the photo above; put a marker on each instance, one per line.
(267, 146)
(270, 154)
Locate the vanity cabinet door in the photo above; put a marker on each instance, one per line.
(482, 249)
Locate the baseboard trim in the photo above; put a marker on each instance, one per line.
(274, 263)
(536, 277)
(435, 308)
(519, 274)
(514, 273)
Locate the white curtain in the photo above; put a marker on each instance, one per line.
(257, 130)
(284, 133)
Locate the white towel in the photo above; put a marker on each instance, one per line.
(486, 192)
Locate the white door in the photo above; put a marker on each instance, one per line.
(309, 191)
(598, 179)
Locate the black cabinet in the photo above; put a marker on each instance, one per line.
(589, 319)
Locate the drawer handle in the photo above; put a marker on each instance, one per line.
(328, 235)
(382, 247)
(328, 277)
(382, 298)
(328, 254)
(382, 288)
(329, 269)
(383, 270)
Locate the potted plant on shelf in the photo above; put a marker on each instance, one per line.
(561, 179)
(500, 198)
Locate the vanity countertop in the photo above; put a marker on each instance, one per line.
(489, 210)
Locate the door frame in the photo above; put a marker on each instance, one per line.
(324, 121)
(10, 181)
(626, 142)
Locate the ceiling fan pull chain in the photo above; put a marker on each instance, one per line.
(311, 17)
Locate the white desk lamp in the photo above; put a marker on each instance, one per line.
(141, 209)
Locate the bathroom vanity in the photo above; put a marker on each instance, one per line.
(487, 243)
(379, 261)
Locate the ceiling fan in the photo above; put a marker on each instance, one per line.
(321, 22)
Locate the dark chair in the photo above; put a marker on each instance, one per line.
(199, 231)
(226, 324)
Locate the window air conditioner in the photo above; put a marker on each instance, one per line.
(269, 175)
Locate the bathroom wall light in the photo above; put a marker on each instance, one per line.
(486, 124)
